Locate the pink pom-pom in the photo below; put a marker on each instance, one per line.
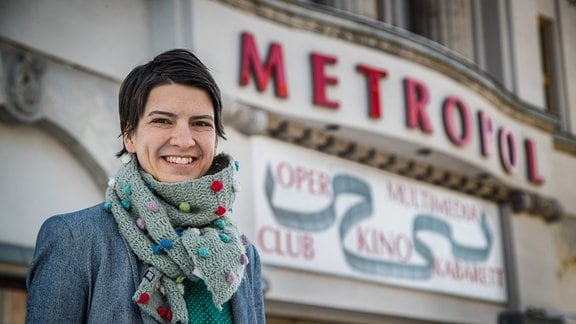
(153, 206)
(230, 277)
(141, 224)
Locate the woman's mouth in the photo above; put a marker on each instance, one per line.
(179, 159)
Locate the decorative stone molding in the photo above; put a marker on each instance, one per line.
(566, 142)
(22, 74)
(243, 118)
(568, 228)
(21, 78)
(532, 203)
(78, 150)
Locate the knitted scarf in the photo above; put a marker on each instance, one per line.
(182, 230)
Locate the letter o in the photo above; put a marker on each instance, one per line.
(465, 135)
(283, 169)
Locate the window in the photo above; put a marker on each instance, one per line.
(545, 29)
(446, 22)
(367, 8)
(459, 25)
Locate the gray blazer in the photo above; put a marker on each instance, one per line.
(83, 271)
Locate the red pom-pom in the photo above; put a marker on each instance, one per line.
(165, 313)
(144, 298)
(217, 185)
(221, 210)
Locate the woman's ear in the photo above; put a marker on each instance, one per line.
(129, 143)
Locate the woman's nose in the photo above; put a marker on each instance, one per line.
(183, 137)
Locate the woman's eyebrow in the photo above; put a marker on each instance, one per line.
(173, 115)
(202, 117)
(160, 112)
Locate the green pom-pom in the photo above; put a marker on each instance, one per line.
(180, 279)
(184, 207)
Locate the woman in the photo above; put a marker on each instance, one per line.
(163, 246)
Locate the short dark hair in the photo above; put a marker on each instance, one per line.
(174, 66)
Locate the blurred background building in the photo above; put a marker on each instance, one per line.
(402, 161)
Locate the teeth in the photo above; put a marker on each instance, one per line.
(179, 160)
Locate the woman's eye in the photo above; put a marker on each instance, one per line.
(160, 121)
(202, 123)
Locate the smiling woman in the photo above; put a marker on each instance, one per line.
(163, 246)
(176, 139)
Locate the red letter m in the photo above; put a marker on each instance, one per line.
(252, 65)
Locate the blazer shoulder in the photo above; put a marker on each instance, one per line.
(252, 252)
(86, 222)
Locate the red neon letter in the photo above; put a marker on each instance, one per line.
(373, 76)
(251, 64)
(416, 97)
(464, 136)
(320, 80)
(508, 152)
(532, 167)
(486, 128)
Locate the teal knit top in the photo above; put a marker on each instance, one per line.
(201, 308)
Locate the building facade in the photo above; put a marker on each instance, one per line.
(401, 161)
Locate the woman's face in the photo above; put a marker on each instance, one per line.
(175, 139)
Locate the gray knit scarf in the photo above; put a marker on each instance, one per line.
(183, 231)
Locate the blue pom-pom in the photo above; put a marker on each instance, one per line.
(149, 186)
(157, 249)
(127, 189)
(165, 243)
(108, 206)
(225, 238)
(219, 223)
(203, 252)
(126, 204)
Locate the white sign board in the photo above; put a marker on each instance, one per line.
(319, 213)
